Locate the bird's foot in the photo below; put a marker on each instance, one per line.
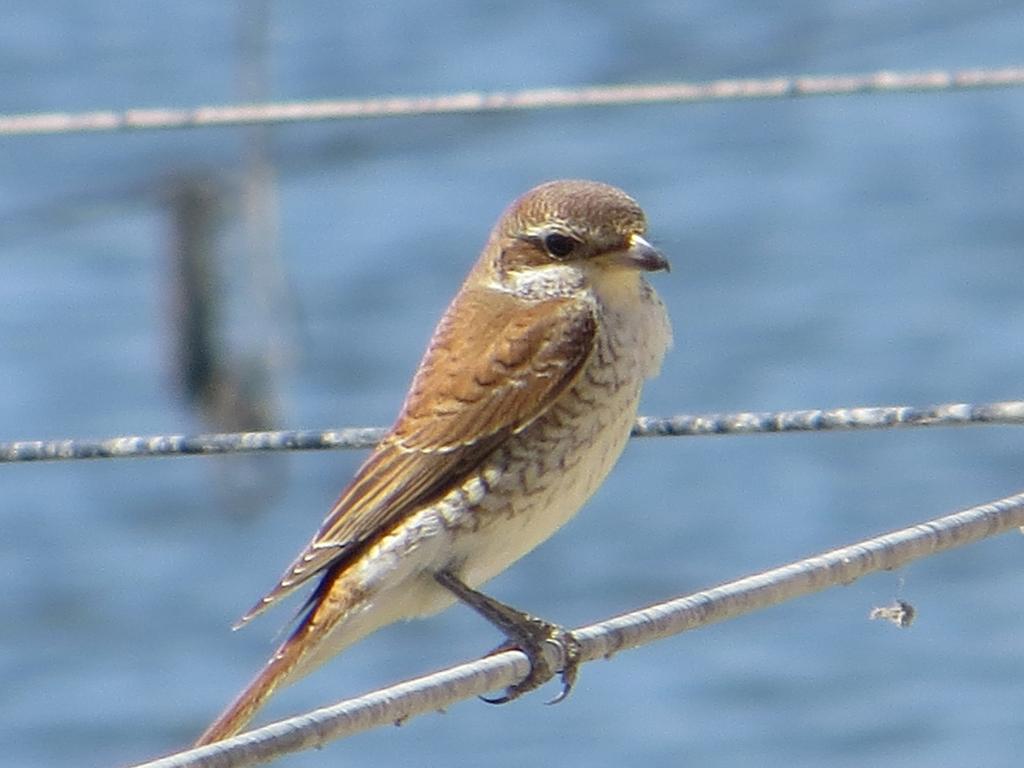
(525, 633)
(530, 637)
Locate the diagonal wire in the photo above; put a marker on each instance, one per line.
(163, 118)
(397, 703)
(742, 423)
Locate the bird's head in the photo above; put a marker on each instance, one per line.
(595, 227)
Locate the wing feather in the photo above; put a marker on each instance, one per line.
(492, 367)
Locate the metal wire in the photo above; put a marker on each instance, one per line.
(689, 425)
(140, 119)
(871, 417)
(398, 703)
(188, 445)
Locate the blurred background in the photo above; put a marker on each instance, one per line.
(826, 252)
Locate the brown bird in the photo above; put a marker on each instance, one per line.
(521, 405)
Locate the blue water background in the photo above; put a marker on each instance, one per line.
(826, 252)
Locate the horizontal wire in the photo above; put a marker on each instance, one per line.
(138, 446)
(163, 118)
(865, 417)
(398, 703)
(682, 425)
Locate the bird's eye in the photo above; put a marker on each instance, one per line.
(559, 246)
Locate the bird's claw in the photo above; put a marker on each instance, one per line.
(525, 633)
(530, 639)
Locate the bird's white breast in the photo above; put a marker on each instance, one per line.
(549, 470)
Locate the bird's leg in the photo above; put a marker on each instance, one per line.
(525, 633)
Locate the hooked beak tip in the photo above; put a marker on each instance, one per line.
(646, 257)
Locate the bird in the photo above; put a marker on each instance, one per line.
(520, 406)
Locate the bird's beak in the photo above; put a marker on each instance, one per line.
(643, 256)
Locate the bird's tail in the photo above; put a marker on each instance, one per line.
(271, 677)
(297, 656)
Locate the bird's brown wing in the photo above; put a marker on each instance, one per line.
(492, 367)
